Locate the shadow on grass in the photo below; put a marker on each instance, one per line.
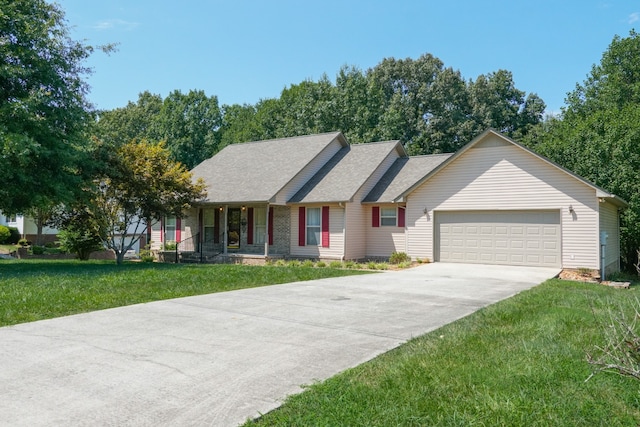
(29, 268)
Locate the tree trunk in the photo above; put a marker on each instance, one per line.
(39, 227)
(119, 257)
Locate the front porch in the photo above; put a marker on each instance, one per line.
(232, 233)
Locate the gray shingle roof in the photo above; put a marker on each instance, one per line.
(256, 171)
(341, 178)
(404, 173)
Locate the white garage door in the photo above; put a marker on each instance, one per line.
(529, 238)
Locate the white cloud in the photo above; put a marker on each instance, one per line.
(110, 24)
(634, 17)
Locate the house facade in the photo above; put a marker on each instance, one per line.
(317, 196)
(28, 228)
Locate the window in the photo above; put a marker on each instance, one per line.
(209, 225)
(388, 216)
(12, 219)
(170, 229)
(259, 225)
(313, 226)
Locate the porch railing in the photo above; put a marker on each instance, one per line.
(198, 246)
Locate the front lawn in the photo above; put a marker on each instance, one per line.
(520, 362)
(37, 289)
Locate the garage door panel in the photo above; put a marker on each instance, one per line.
(516, 237)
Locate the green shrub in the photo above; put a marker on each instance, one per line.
(350, 264)
(50, 245)
(308, 263)
(146, 255)
(281, 263)
(404, 264)
(80, 241)
(4, 234)
(371, 265)
(23, 242)
(399, 257)
(335, 264)
(382, 266)
(37, 250)
(321, 264)
(294, 263)
(170, 246)
(14, 238)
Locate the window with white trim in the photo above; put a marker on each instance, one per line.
(209, 224)
(388, 216)
(313, 226)
(259, 225)
(170, 229)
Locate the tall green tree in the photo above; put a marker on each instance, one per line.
(136, 120)
(189, 124)
(43, 109)
(598, 135)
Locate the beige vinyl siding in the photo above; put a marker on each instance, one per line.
(493, 176)
(357, 225)
(609, 224)
(156, 237)
(307, 173)
(356, 231)
(383, 240)
(336, 241)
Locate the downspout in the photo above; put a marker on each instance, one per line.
(603, 253)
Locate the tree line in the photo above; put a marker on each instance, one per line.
(57, 150)
(429, 108)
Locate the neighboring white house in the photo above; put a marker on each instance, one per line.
(28, 230)
(27, 227)
(494, 201)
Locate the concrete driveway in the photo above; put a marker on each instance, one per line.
(222, 358)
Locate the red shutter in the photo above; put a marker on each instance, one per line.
(161, 230)
(401, 213)
(302, 226)
(325, 226)
(375, 216)
(178, 231)
(270, 225)
(249, 226)
(216, 226)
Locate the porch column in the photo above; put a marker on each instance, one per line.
(226, 230)
(266, 232)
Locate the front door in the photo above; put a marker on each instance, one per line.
(233, 228)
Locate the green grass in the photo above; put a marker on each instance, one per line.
(520, 362)
(36, 289)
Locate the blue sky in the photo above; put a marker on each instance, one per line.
(244, 50)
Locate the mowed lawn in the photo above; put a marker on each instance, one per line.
(520, 362)
(35, 290)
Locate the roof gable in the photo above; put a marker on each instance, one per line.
(405, 172)
(486, 139)
(341, 178)
(256, 171)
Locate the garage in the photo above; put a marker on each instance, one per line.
(528, 238)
